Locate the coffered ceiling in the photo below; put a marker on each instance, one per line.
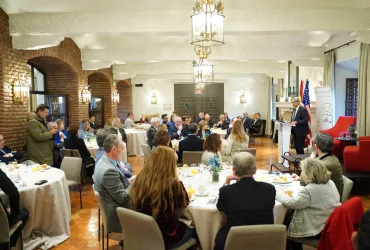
(151, 39)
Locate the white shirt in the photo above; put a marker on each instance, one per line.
(129, 123)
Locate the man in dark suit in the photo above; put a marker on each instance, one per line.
(256, 124)
(201, 117)
(246, 202)
(178, 131)
(152, 130)
(207, 118)
(192, 142)
(247, 121)
(6, 153)
(16, 214)
(222, 123)
(92, 122)
(300, 123)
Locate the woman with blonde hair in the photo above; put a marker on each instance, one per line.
(203, 129)
(237, 141)
(109, 123)
(313, 204)
(162, 127)
(158, 192)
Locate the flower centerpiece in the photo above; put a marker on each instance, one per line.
(215, 165)
(352, 130)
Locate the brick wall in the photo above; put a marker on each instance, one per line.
(125, 98)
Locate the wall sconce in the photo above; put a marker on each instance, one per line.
(242, 98)
(153, 100)
(85, 95)
(115, 97)
(21, 88)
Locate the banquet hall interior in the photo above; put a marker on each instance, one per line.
(94, 93)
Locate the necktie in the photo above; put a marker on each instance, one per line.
(294, 112)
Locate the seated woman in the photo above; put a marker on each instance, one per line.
(116, 129)
(84, 132)
(313, 204)
(62, 133)
(109, 123)
(158, 192)
(212, 147)
(237, 141)
(203, 129)
(73, 142)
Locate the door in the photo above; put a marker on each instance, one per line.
(58, 108)
(97, 109)
(351, 96)
(187, 107)
(210, 105)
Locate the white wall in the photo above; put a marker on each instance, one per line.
(256, 96)
(314, 76)
(340, 76)
(141, 97)
(347, 52)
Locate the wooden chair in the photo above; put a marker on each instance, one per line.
(189, 157)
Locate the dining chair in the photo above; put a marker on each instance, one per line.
(5, 231)
(257, 237)
(99, 211)
(189, 157)
(146, 150)
(142, 232)
(72, 169)
(347, 188)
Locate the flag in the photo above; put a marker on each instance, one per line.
(307, 106)
(301, 91)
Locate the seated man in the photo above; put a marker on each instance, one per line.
(256, 124)
(154, 122)
(207, 118)
(192, 142)
(222, 124)
(109, 181)
(247, 122)
(178, 131)
(243, 207)
(6, 154)
(101, 135)
(16, 214)
(129, 122)
(200, 118)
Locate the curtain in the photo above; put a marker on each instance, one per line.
(329, 69)
(269, 106)
(363, 107)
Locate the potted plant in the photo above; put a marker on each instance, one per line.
(215, 164)
(352, 130)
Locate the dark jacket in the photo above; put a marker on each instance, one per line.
(246, 202)
(301, 128)
(73, 142)
(8, 187)
(173, 132)
(150, 134)
(247, 122)
(228, 133)
(123, 133)
(255, 126)
(6, 150)
(223, 126)
(57, 146)
(207, 133)
(92, 125)
(198, 120)
(192, 143)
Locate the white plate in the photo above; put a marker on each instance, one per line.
(281, 182)
(204, 195)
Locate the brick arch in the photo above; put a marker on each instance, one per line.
(125, 96)
(60, 79)
(101, 86)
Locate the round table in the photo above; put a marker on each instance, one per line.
(93, 148)
(221, 132)
(134, 139)
(48, 206)
(202, 210)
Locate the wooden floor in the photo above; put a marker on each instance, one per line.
(84, 223)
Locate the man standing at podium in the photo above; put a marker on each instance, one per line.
(300, 125)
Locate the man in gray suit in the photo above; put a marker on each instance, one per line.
(109, 181)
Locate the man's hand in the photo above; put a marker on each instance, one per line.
(230, 178)
(132, 179)
(8, 155)
(313, 155)
(180, 128)
(293, 123)
(62, 136)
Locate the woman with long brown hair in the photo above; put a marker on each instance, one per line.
(158, 192)
(237, 141)
(212, 147)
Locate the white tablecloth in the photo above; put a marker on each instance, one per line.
(93, 148)
(134, 139)
(221, 132)
(48, 206)
(207, 219)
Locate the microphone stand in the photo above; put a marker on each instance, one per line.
(282, 115)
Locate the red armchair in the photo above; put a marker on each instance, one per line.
(341, 126)
(357, 158)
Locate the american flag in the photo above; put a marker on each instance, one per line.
(307, 106)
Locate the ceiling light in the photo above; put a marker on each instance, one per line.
(244, 60)
(315, 59)
(207, 23)
(281, 61)
(202, 69)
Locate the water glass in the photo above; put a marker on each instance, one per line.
(193, 165)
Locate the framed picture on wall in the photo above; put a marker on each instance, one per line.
(58, 108)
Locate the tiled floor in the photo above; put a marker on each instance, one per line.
(84, 224)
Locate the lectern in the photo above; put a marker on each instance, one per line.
(284, 131)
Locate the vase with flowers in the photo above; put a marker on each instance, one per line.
(215, 165)
(352, 130)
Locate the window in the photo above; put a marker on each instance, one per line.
(37, 90)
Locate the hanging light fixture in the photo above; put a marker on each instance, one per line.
(242, 98)
(85, 95)
(153, 99)
(202, 69)
(207, 23)
(21, 88)
(115, 97)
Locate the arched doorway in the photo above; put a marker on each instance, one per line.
(55, 83)
(125, 96)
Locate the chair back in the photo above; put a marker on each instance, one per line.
(75, 153)
(72, 168)
(146, 150)
(257, 237)
(347, 187)
(102, 205)
(341, 125)
(65, 152)
(189, 157)
(253, 151)
(135, 225)
(4, 226)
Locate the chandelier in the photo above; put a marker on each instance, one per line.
(115, 97)
(207, 23)
(202, 69)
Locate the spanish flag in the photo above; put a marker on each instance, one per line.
(301, 91)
